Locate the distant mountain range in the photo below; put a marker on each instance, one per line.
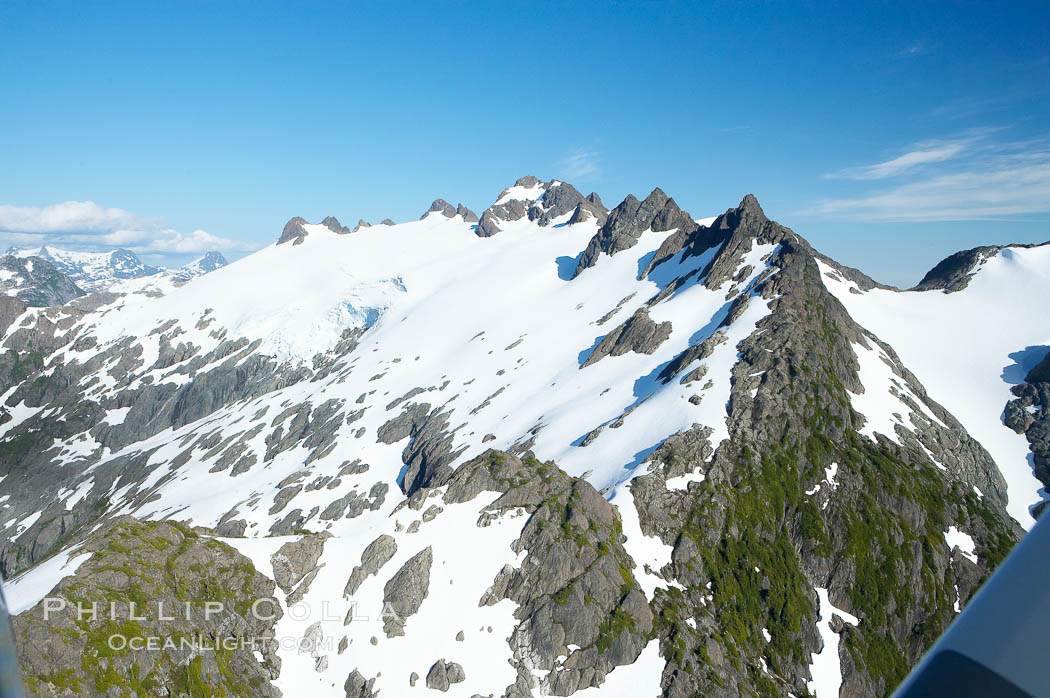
(49, 275)
(554, 449)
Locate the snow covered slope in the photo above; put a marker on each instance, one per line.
(450, 399)
(966, 346)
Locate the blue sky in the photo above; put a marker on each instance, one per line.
(889, 135)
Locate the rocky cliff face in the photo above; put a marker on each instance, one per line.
(671, 462)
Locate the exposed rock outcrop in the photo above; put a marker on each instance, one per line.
(638, 334)
(1029, 414)
(468, 215)
(953, 273)
(333, 224)
(443, 674)
(440, 206)
(544, 203)
(576, 586)
(140, 575)
(626, 223)
(293, 232)
(406, 590)
(377, 554)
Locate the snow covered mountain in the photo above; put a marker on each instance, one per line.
(108, 271)
(92, 271)
(35, 281)
(199, 267)
(551, 450)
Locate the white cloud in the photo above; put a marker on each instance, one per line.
(918, 48)
(197, 241)
(970, 142)
(903, 163)
(87, 224)
(69, 216)
(581, 166)
(994, 180)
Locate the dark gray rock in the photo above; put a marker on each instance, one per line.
(406, 590)
(377, 554)
(333, 224)
(953, 272)
(561, 198)
(429, 450)
(556, 200)
(443, 674)
(1029, 414)
(626, 223)
(1041, 372)
(638, 334)
(575, 585)
(356, 686)
(468, 215)
(11, 308)
(293, 231)
(294, 560)
(440, 206)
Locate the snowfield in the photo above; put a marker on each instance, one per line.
(980, 330)
(508, 361)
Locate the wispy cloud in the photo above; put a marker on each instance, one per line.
(915, 49)
(969, 179)
(87, 224)
(581, 165)
(902, 163)
(922, 153)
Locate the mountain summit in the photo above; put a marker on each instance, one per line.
(51, 276)
(559, 450)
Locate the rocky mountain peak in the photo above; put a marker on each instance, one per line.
(212, 261)
(528, 181)
(656, 198)
(440, 206)
(92, 271)
(748, 218)
(200, 266)
(468, 215)
(750, 203)
(954, 271)
(626, 223)
(361, 223)
(542, 202)
(293, 231)
(332, 223)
